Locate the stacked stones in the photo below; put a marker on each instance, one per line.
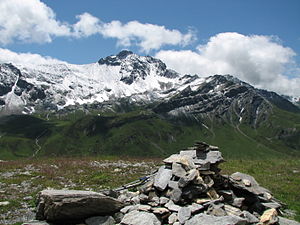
(189, 189)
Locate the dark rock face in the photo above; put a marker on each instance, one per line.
(2, 102)
(71, 205)
(222, 97)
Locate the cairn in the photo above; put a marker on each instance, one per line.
(189, 189)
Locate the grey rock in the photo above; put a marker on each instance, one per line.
(163, 200)
(100, 220)
(118, 217)
(270, 205)
(195, 208)
(172, 207)
(144, 208)
(176, 195)
(172, 218)
(147, 187)
(238, 202)
(173, 184)
(162, 178)
(249, 217)
(203, 219)
(178, 170)
(230, 210)
(60, 205)
(236, 181)
(143, 197)
(216, 210)
(128, 208)
(184, 214)
(182, 182)
(227, 194)
(140, 218)
(135, 200)
(284, 221)
(192, 174)
(35, 222)
(190, 153)
(160, 210)
(171, 159)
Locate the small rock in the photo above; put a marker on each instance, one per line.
(230, 210)
(163, 200)
(203, 219)
(4, 203)
(144, 208)
(238, 202)
(162, 178)
(195, 208)
(160, 210)
(284, 221)
(173, 184)
(140, 218)
(176, 195)
(249, 217)
(216, 210)
(246, 182)
(173, 218)
(128, 208)
(270, 216)
(184, 214)
(172, 207)
(100, 220)
(271, 205)
(178, 170)
(190, 153)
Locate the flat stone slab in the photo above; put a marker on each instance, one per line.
(66, 205)
(237, 178)
(203, 219)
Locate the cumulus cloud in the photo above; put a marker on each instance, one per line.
(29, 21)
(259, 60)
(146, 36)
(33, 21)
(86, 26)
(7, 56)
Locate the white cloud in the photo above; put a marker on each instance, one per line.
(146, 36)
(86, 26)
(259, 60)
(33, 21)
(29, 21)
(7, 56)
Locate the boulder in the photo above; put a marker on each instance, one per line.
(66, 205)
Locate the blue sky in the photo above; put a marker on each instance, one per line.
(175, 31)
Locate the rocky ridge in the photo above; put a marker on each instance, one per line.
(187, 189)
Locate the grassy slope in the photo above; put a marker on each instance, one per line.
(142, 133)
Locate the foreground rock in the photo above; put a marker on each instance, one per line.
(72, 205)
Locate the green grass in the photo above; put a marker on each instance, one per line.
(144, 133)
(280, 176)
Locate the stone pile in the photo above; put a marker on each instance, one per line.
(189, 189)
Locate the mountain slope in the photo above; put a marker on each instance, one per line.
(130, 104)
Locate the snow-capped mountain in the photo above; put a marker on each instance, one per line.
(27, 88)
